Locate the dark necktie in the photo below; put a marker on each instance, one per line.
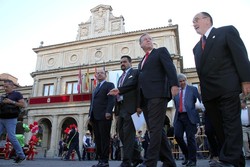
(180, 103)
(145, 58)
(97, 87)
(203, 41)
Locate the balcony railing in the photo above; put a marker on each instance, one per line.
(84, 97)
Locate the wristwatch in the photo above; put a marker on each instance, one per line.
(13, 102)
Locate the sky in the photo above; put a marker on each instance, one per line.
(25, 23)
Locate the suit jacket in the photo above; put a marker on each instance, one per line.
(191, 95)
(102, 103)
(223, 64)
(158, 74)
(129, 92)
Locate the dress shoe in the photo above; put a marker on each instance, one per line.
(191, 164)
(101, 164)
(185, 161)
(213, 162)
(224, 164)
(135, 163)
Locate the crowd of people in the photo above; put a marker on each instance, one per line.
(223, 69)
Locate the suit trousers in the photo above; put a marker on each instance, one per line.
(102, 138)
(155, 113)
(214, 145)
(127, 136)
(183, 124)
(225, 115)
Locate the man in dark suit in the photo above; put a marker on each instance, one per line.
(157, 84)
(223, 68)
(186, 119)
(101, 117)
(126, 103)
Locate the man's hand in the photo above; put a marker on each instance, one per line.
(246, 89)
(138, 111)
(114, 92)
(174, 90)
(107, 115)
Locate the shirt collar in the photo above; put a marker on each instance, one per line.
(208, 32)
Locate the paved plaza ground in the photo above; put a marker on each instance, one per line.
(57, 162)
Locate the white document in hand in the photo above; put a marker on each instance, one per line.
(138, 121)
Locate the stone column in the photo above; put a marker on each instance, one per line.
(80, 130)
(35, 88)
(58, 86)
(53, 141)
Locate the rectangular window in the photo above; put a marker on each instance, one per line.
(71, 87)
(48, 90)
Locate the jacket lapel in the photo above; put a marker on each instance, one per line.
(97, 91)
(126, 77)
(209, 43)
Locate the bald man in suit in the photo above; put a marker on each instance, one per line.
(224, 71)
(100, 113)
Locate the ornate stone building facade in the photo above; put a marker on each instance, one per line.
(54, 102)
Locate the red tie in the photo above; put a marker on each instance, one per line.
(180, 103)
(145, 58)
(203, 41)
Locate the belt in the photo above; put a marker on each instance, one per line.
(246, 126)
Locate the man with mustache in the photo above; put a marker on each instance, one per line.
(126, 103)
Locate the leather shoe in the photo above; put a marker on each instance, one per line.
(213, 162)
(135, 163)
(102, 164)
(191, 164)
(224, 164)
(185, 161)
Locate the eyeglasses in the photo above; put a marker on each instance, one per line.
(182, 81)
(195, 20)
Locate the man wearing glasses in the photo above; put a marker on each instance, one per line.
(223, 68)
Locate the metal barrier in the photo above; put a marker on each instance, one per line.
(202, 147)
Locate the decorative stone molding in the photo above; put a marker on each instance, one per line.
(101, 23)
